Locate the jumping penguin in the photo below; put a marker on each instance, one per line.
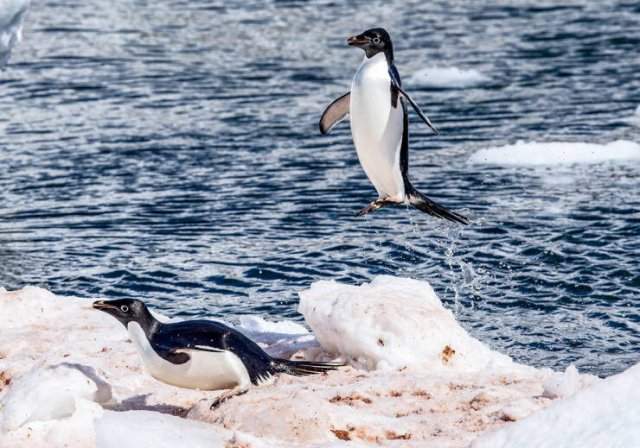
(380, 126)
(201, 354)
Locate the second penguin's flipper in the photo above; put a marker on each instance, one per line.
(335, 113)
(395, 81)
(426, 205)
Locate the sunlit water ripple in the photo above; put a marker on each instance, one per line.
(169, 151)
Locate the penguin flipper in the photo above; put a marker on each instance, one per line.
(395, 82)
(426, 205)
(335, 113)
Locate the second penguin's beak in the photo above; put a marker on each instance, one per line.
(101, 305)
(358, 41)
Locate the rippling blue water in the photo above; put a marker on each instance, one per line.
(169, 151)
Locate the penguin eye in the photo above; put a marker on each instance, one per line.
(376, 40)
(124, 308)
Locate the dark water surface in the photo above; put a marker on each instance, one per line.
(169, 151)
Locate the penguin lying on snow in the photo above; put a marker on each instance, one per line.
(380, 126)
(201, 354)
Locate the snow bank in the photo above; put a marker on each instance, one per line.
(606, 415)
(70, 376)
(556, 153)
(447, 77)
(393, 322)
(12, 14)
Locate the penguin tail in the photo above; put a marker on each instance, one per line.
(301, 368)
(426, 205)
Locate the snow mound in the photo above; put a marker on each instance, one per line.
(392, 322)
(48, 394)
(12, 14)
(607, 414)
(556, 153)
(448, 77)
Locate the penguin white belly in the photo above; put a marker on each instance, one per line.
(205, 370)
(376, 127)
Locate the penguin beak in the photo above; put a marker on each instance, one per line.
(102, 306)
(358, 41)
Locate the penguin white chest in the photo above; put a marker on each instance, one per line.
(205, 370)
(377, 127)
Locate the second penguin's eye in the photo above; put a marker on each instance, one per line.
(124, 308)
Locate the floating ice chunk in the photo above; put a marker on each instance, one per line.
(447, 77)
(256, 324)
(50, 393)
(12, 14)
(606, 414)
(555, 153)
(634, 119)
(392, 322)
(281, 339)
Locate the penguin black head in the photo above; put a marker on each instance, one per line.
(374, 41)
(127, 310)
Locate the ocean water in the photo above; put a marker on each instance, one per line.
(169, 151)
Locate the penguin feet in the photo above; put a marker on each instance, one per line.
(375, 205)
(226, 396)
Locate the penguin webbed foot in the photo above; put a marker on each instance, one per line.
(226, 396)
(375, 205)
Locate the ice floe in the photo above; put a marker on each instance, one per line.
(448, 77)
(12, 14)
(69, 376)
(557, 153)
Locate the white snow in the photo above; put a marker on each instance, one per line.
(392, 322)
(146, 429)
(563, 385)
(69, 376)
(12, 14)
(49, 393)
(557, 153)
(606, 415)
(448, 77)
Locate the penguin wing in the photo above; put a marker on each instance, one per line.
(396, 84)
(335, 113)
(178, 339)
(404, 147)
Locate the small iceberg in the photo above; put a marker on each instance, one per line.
(448, 77)
(557, 153)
